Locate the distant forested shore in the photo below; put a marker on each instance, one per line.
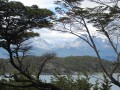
(66, 65)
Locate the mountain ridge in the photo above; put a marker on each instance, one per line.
(77, 47)
(80, 48)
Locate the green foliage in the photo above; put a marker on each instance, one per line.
(67, 82)
(106, 84)
(11, 81)
(82, 63)
(105, 17)
(64, 65)
(96, 85)
(17, 22)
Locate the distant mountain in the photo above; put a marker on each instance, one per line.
(41, 43)
(76, 48)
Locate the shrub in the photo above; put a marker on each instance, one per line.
(68, 82)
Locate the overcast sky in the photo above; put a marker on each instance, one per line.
(53, 36)
(50, 36)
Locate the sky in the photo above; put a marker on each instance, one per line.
(40, 3)
(54, 36)
(49, 35)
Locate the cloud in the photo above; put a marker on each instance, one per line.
(40, 3)
(50, 36)
(55, 36)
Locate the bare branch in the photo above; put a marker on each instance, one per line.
(45, 57)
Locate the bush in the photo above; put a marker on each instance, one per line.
(67, 82)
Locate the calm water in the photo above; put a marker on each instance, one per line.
(93, 78)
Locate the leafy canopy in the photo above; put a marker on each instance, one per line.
(17, 22)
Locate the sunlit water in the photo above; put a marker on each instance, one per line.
(93, 78)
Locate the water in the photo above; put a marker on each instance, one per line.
(93, 78)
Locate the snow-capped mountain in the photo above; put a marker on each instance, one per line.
(76, 48)
(102, 45)
(38, 42)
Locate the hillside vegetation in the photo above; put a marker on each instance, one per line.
(71, 64)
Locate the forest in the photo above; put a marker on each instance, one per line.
(63, 65)
(22, 71)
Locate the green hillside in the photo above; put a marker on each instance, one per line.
(71, 64)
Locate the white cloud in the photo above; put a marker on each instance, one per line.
(55, 36)
(52, 36)
(40, 3)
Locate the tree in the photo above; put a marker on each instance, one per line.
(16, 24)
(104, 17)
